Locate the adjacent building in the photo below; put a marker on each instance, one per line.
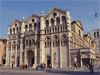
(3, 51)
(96, 36)
(50, 39)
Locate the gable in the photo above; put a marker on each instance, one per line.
(55, 10)
(78, 23)
(33, 18)
(15, 22)
(29, 33)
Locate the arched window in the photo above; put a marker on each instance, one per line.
(26, 27)
(35, 26)
(56, 41)
(47, 23)
(52, 29)
(64, 40)
(54, 14)
(79, 32)
(10, 31)
(29, 42)
(26, 42)
(48, 42)
(56, 29)
(97, 34)
(15, 25)
(32, 20)
(13, 30)
(58, 21)
(17, 29)
(63, 20)
(33, 42)
(30, 26)
(45, 31)
(94, 34)
(52, 22)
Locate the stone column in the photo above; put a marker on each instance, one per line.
(60, 19)
(52, 53)
(35, 56)
(42, 53)
(11, 52)
(21, 51)
(55, 21)
(16, 55)
(25, 58)
(69, 34)
(60, 54)
(49, 22)
(7, 55)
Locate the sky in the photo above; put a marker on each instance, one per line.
(83, 10)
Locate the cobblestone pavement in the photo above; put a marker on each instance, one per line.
(30, 71)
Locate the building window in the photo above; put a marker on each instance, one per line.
(13, 30)
(63, 20)
(17, 29)
(54, 14)
(26, 42)
(35, 26)
(94, 34)
(58, 21)
(29, 42)
(47, 42)
(10, 31)
(56, 41)
(64, 40)
(97, 34)
(15, 25)
(52, 22)
(33, 42)
(47, 23)
(25, 27)
(30, 26)
(32, 20)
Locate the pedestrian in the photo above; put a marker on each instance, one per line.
(91, 68)
(37, 67)
(43, 66)
(12, 66)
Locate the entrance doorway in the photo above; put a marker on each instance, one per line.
(48, 61)
(30, 56)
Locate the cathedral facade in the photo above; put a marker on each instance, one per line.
(45, 39)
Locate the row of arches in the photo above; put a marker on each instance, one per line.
(56, 41)
(30, 26)
(15, 30)
(55, 29)
(30, 42)
(57, 20)
(14, 45)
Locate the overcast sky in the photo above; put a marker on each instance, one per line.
(82, 10)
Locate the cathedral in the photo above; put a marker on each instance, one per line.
(50, 39)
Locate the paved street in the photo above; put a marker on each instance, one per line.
(30, 71)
